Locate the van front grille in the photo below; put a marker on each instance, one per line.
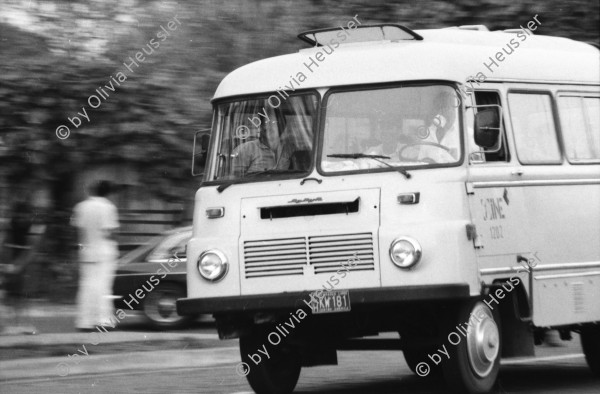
(353, 252)
(275, 257)
(325, 253)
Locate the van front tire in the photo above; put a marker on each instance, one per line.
(416, 356)
(275, 375)
(474, 361)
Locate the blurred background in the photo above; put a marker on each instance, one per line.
(54, 55)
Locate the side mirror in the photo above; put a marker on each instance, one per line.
(199, 155)
(487, 127)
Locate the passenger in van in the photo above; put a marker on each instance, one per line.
(268, 152)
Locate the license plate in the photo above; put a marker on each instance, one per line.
(331, 301)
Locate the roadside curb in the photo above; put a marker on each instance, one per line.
(121, 363)
(79, 338)
(71, 347)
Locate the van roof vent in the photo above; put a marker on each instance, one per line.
(364, 33)
(474, 27)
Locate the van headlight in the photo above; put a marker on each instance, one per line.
(212, 265)
(405, 252)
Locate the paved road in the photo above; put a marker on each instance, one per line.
(560, 370)
(52, 318)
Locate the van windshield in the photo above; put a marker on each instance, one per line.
(262, 137)
(403, 126)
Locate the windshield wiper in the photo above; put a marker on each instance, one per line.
(254, 174)
(357, 156)
(374, 157)
(272, 171)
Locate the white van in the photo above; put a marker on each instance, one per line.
(443, 184)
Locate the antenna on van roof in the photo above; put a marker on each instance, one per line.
(380, 32)
(515, 31)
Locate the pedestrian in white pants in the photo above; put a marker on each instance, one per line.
(96, 219)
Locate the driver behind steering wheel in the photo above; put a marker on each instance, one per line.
(442, 130)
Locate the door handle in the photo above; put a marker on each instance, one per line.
(311, 179)
(517, 172)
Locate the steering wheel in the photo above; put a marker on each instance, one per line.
(427, 143)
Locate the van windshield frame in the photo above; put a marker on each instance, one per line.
(357, 166)
(293, 118)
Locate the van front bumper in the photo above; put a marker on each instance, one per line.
(286, 301)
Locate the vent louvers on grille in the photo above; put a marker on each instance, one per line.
(353, 252)
(275, 257)
(326, 253)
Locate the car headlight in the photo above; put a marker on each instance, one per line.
(405, 252)
(212, 265)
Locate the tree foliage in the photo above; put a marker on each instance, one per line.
(56, 54)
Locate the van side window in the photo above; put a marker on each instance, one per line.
(580, 124)
(533, 128)
(492, 98)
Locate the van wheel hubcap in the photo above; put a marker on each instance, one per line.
(483, 340)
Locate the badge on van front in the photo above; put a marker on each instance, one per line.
(306, 200)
